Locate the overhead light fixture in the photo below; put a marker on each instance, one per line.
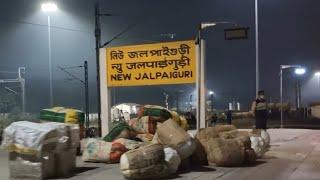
(211, 93)
(300, 71)
(204, 25)
(49, 7)
(317, 74)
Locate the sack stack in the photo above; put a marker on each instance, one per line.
(41, 151)
(146, 162)
(172, 135)
(224, 145)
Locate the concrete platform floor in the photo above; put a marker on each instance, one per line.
(294, 155)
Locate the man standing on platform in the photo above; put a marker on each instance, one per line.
(260, 110)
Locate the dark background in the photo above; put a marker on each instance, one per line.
(289, 34)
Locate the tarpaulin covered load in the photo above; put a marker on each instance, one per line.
(63, 115)
(28, 138)
(41, 151)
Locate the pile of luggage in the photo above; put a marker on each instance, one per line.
(151, 145)
(156, 144)
(224, 145)
(41, 150)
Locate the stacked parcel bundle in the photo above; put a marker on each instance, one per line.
(40, 151)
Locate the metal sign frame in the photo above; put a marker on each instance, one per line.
(245, 36)
(106, 90)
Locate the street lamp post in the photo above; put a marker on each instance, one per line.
(211, 93)
(201, 104)
(257, 45)
(317, 74)
(299, 71)
(97, 33)
(200, 85)
(49, 7)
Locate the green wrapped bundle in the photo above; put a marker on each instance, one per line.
(63, 115)
(120, 130)
(157, 113)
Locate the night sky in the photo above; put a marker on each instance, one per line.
(289, 34)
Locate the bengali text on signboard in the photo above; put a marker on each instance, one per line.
(151, 64)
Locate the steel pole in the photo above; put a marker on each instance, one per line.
(281, 103)
(257, 46)
(212, 103)
(50, 63)
(299, 92)
(190, 102)
(98, 45)
(198, 89)
(23, 88)
(86, 87)
(203, 86)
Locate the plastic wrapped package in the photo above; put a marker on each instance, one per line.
(23, 166)
(96, 151)
(28, 138)
(263, 134)
(173, 159)
(172, 135)
(63, 115)
(100, 151)
(266, 137)
(258, 145)
(129, 144)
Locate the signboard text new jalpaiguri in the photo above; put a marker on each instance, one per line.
(151, 64)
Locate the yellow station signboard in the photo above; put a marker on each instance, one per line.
(151, 64)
